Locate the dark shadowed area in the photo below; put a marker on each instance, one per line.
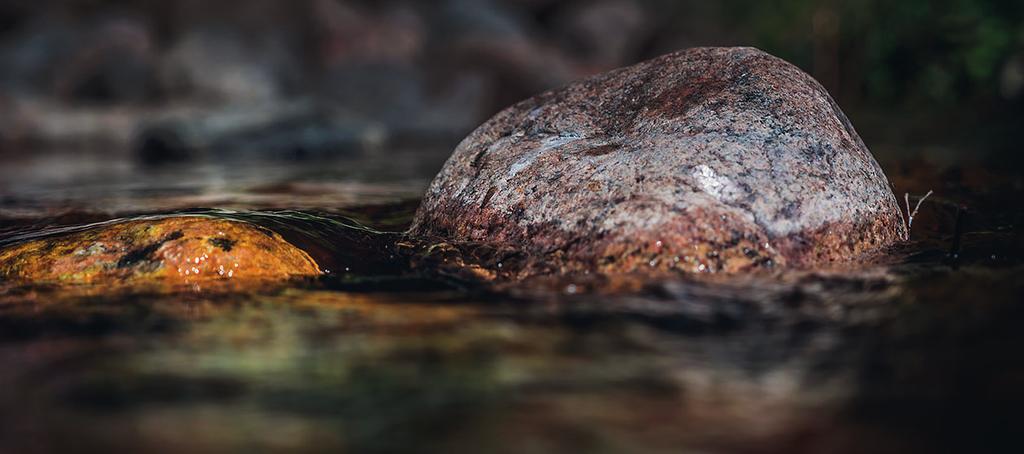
(307, 131)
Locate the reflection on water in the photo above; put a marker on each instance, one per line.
(397, 349)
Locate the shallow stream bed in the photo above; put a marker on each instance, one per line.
(399, 349)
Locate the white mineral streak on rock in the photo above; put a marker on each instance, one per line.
(546, 144)
(718, 186)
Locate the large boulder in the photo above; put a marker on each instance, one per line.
(706, 159)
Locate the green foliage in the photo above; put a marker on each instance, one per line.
(917, 51)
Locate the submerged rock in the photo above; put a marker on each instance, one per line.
(164, 251)
(706, 159)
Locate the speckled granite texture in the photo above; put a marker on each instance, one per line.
(706, 159)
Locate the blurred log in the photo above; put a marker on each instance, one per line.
(295, 130)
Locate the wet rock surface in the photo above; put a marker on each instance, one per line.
(706, 159)
(170, 251)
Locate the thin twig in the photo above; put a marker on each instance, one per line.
(906, 227)
(916, 207)
(911, 214)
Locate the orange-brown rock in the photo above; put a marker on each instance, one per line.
(167, 251)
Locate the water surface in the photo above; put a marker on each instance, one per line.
(402, 348)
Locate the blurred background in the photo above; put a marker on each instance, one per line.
(338, 108)
(93, 92)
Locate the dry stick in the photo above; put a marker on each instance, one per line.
(911, 214)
